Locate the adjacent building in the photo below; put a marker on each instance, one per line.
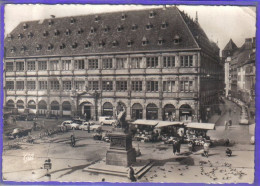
(241, 69)
(156, 63)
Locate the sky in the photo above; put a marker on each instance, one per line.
(220, 23)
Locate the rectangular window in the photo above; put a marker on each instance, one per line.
(79, 64)
(121, 85)
(55, 85)
(107, 85)
(93, 85)
(168, 86)
(121, 63)
(152, 62)
(168, 61)
(19, 66)
(136, 62)
(42, 65)
(31, 65)
(43, 85)
(186, 86)
(80, 85)
(66, 64)
(93, 64)
(54, 65)
(20, 85)
(31, 85)
(66, 85)
(10, 85)
(187, 61)
(137, 86)
(107, 63)
(152, 86)
(9, 66)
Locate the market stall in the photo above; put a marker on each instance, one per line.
(143, 129)
(197, 132)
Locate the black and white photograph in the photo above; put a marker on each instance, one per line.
(129, 93)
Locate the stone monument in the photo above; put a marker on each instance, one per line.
(121, 152)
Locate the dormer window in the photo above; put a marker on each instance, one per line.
(134, 27)
(67, 32)
(106, 29)
(92, 30)
(12, 49)
(62, 46)
(176, 39)
(80, 31)
(38, 47)
(115, 43)
(160, 41)
(20, 36)
(50, 46)
(50, 22)
(87, 45)
(164, 25)
(144, 41)
(151, 14)
(101, 44)
(23, 48)
(29, 35)
(72, 20)
(56, 32)
(25, 26)
(119, 28)
(10, 37)
(74, 45)
(149, 26)
(45, 33)
(97, 18)
(129, 43)
(123, 16)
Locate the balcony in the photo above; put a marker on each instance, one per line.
(188, 95)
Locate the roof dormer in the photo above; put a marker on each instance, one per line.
(134, 27)
(120, 28)
(50, 46)
(62, 46)
(149, 26)
(25, 26)
(144, 41)
(74, 45)
(106, 28)
(115, 43)
(164, 25)
(23, 48)
(12, 49)
(72, 20)
(87, 45)
(38, 47)
(20, 36)
(176, 39)
(50, 22)
(129, 43)
(30, 35)
(92, 30)
(80, 31)
(67, 32)
(160, 41)
(151, 14)
(10, 37)
(97, 18)
(123, 16)
(101, 44)
(56, 32)
(45, 33)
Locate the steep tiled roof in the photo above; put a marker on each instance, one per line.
(230, 45)
(107, 32)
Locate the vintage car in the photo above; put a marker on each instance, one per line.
(92, 126)
(106, 120)
(17, 132)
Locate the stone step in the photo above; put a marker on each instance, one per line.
(144, 170)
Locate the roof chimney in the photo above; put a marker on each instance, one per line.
(196, 19)
(164, 7)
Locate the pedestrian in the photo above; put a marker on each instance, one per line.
(206, 149)
(230, 122)
(190, 146)
(229, 111)
(179, 146)
(131, 174)
(229, 152)
(174, 146)
(226, 125)
(88, 128)
(73, 140)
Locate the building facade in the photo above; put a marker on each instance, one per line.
(159, 67)
(242, 70)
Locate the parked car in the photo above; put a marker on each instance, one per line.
(243, 121)
(106, 120)
(17, 132)
(75, 124)
(92, 126)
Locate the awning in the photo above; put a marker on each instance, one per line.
(205, 126)
(168, 123)
(145, 122)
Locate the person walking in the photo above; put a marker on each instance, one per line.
(179, 146)
(131, 174)
(174, 146)
(229, 152)
(206, 149)
(226, 124)
(73, 140)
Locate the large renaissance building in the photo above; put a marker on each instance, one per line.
(157, 63)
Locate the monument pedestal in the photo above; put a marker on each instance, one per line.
(121, 152)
